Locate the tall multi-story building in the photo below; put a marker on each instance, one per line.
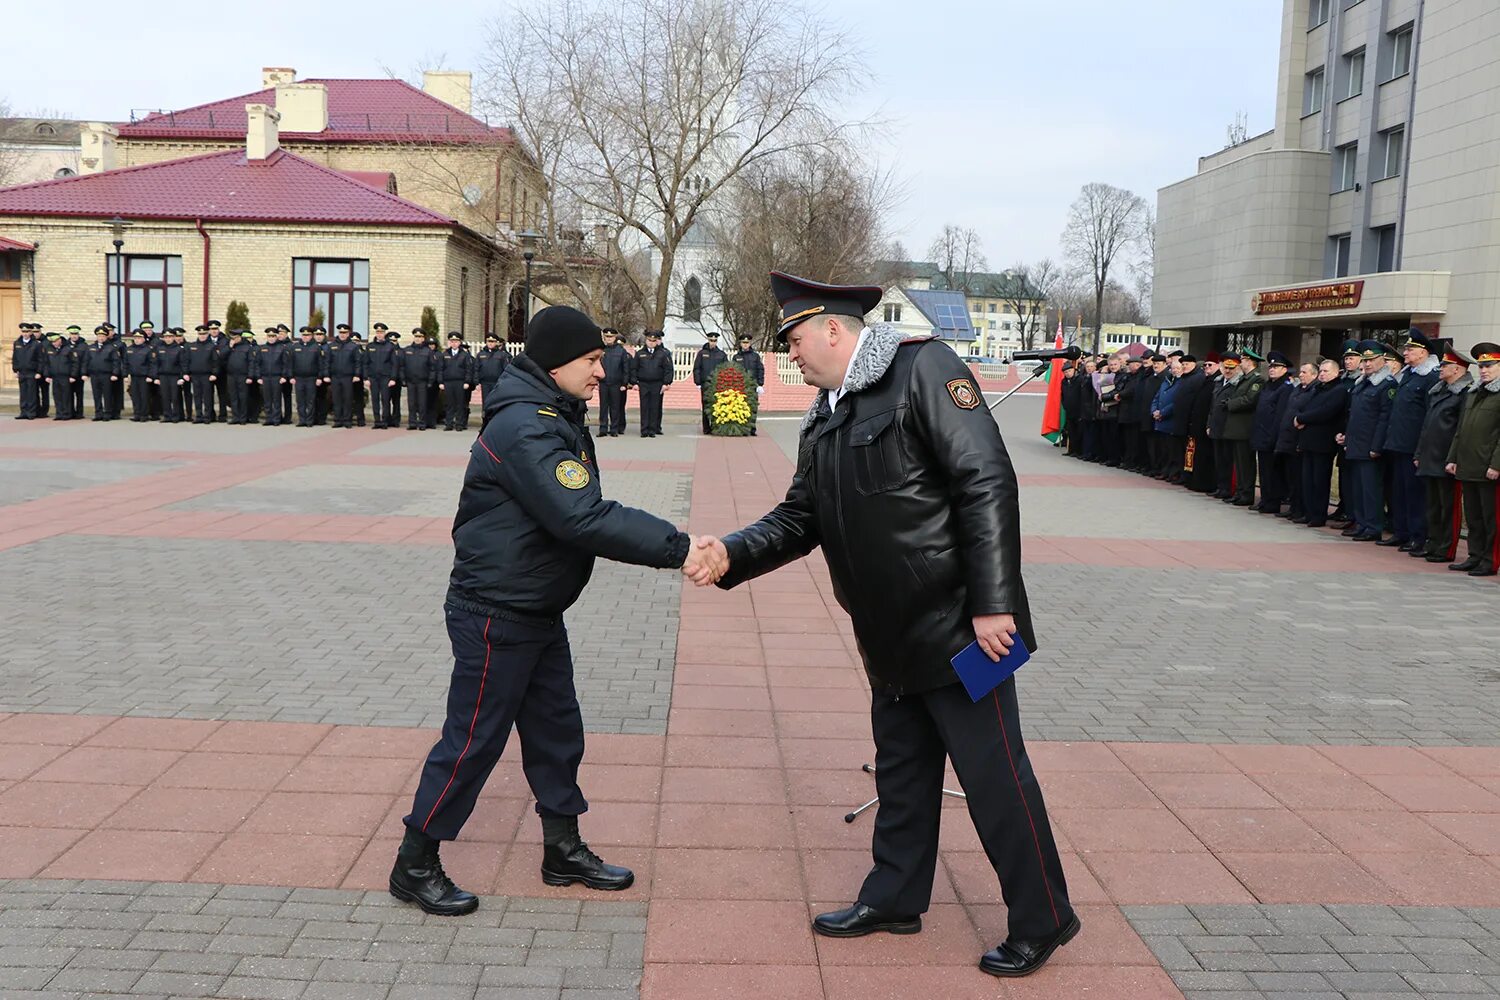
(1371, 206)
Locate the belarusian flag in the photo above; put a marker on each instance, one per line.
(1052, 414)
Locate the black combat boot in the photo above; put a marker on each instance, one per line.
(567, 859)
(418, 877)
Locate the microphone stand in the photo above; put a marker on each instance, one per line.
(1041, 367)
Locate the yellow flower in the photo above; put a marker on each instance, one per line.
(730, 407)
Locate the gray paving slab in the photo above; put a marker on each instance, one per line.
(211, 439)
(1338, 952)
(308, 632)
(342, 489)
(24, 479)
(508, 944)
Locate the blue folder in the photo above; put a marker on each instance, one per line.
(980, 674)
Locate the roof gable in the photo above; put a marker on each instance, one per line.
(358, 111)
(223, 187)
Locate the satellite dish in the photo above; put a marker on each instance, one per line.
(472, 195)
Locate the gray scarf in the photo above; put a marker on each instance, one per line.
(868, 366)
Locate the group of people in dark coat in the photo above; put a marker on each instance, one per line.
(1414, 437)
(229, 377)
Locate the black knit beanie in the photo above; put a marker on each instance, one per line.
(558, 334)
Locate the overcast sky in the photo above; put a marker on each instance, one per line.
(999, 110)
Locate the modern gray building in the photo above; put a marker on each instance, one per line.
(1374, 203)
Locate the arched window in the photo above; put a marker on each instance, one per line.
(692, 301)
(44, 128)
(63, 172)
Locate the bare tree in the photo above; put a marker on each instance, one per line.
(1103, 223)
(815, 213)
(958, 253)
(1143, 269)
(1121, 305)
(1030, 287)
(637, 113)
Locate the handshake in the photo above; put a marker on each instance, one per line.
(707, 561)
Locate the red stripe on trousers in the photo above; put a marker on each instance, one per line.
(1041, 862)
(472, 723)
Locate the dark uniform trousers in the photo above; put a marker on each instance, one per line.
(1444, 516)
(286, 402)
(380, 399)
(395, 402)
(1272, 478)
(62, 398)
(171, 398)
(104, 397)
(221, 391)
(30, 394)
(456, 404)
(1291, 467)
(1244, 471)
(650, 409)
(203, 398)
(1369, 498)
(612, 408)
(416, 404)
(1408, 499)
(1484, 531)
(140, 398)
(1317, 486)
(504, 673)
(77, 409)
(307, 399)
(1225, 486)
(914, 735)
(239, 398)
(343, 400)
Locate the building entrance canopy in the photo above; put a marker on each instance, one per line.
(1404, 296)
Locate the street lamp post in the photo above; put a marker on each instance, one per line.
(528, 253)
(117, 227)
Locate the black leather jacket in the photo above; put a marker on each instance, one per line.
(531, 516)
(908, 488)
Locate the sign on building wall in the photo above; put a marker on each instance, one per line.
(1308, 298)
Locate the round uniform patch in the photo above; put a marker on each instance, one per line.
(964, 396)
(572, 475)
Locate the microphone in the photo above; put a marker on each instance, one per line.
(1067, 354)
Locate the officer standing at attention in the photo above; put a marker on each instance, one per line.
(222, 344)
(275, 372)
(309, 369)
(380, 374)
(29, 362)
(170, 375)
(1445, 404)
(1364, 441)
(419, 373)
(617, 368)
(651, 370)
(345, 365)
(1474, 459)
(80, 351)
(458, 382)
(64, 367)
(709, 357)
(898, 455)
(489, 365)
(139, 359)
(393, 419)
(103, 365)
(202, 372)
(747, 358)
(531, 520)
(1408, 411)
(241, 370)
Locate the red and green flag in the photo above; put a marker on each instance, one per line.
(1052, 414)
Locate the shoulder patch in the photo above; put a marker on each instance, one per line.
(546, 412)
(965, 397)
(572, 475)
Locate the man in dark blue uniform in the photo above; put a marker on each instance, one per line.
(380, 374)
(1264, 430)
(140, 363)
(1408, 411)
(458, 383)
(1364, 440)
(203, 365)
(617, 365)
(170, 376)
(1444, 407)
(652, 370)
(748, 358)
(345, 366)
(275, 372)
(904, 482)
(709, 357)
(531, 520)
(489, 364)
(309, 369)
(80, 349)
(418, 370)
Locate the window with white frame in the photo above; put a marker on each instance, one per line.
(1312, 91)
(1392, 151)
(893, 312)
(1345, 159)
(1385, 248)
(1341, 247)
(150, 288)
(338, 288)
(1354, 74)
(1401, 40)
(1317, 13)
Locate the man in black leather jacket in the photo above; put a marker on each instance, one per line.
(903, 480)
(531, 520)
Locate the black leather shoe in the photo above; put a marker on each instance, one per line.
(1365, 536)
(1482, 571)
(1350, 530)
(1021, 958)
(418, 877)
(1465, 566)
(1394, 541)
(859, 920)
(1436, 557)
(567, 859)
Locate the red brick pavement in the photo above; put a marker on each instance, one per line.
(734, 819)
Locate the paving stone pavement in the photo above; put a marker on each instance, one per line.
(1324, 952)
(77, 939)
(23, 479)
(307, 632)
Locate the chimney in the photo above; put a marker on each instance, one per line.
(262, 138)
(275, 76)
(449, 86)
(303, 107)
(97, 154)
